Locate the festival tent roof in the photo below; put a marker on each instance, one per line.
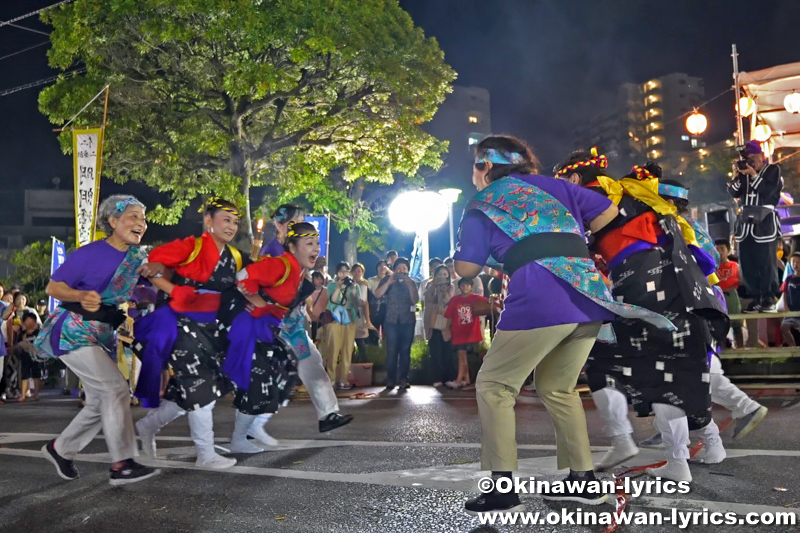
(768, 87)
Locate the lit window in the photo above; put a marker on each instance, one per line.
(473, 119)
(694, 143)
(684, 137)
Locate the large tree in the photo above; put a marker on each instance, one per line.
(218, 96)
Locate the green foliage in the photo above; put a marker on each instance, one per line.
(32, 269)
(218, 96)
(420, 355)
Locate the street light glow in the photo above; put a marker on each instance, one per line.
(418, 211)
(450, 195)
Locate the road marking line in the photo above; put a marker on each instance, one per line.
(459, 478)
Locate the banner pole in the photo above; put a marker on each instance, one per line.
(101, 148)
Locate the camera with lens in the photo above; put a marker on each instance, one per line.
(348, 281)
(400, 277)
(741, 164)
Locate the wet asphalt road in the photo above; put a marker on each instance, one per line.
(406, 463)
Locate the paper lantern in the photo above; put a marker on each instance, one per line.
(746, 106)
(762, 133)
(696, 123)
(792, 103)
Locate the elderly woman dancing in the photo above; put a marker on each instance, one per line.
(91, 284)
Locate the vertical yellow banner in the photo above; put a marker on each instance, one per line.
(87, 155)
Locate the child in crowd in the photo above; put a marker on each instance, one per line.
(728, 274)
(465, 328)
(791, 291)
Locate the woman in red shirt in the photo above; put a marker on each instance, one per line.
(183, 333)
(258, 361)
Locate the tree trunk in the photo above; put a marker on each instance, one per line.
(240, 169)
(356, 192)
(350, 246)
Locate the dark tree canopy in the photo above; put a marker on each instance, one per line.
(218, 96)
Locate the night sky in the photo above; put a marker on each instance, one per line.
(548, 64)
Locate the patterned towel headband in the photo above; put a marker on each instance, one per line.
(599, 161)
(122, 205)
(291, 233)
(281, 214)
(673, 191)
(642, 173)
(216, 201)
(500, 158)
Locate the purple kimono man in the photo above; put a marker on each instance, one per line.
(91, 284)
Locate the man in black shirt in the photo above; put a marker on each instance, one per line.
(758, 187)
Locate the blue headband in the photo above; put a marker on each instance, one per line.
(673, 191)
(122, 205)
(500, 158)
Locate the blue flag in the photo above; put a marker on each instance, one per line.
(323, 227)
(416, 259)
(57, 257)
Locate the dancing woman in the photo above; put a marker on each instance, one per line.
(91, 284)
(184, 333)
(655, 262)
(310, 367)
(555, 306)
(259, 359)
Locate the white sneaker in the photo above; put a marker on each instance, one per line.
(622, 449)
(215, 462)
(244, 446)
(148, 441)
(675, 470)
(438, 384)
(711, 455)
(451, 385)
(262, 436)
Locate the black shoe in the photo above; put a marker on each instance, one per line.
(769, 305)
(570, 492)
(131, 473)
(65, 468)
(494, 502)
(333, 421)
(754, 307)
(405, 386)
(390, 386)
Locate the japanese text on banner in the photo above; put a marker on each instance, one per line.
(86, 158)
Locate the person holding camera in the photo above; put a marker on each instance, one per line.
(340, 335)
(757, 185)
(398, 327)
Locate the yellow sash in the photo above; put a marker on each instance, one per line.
(646, 191)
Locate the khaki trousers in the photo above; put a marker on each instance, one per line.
(340, 342)
(557, 353)
(108, 406)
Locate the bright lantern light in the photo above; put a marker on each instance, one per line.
(260, 224)
(746, 106)
(696, 123)
(450, 195)
(762, 133)
(792, 103)
(767, 148)
(418, 211)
